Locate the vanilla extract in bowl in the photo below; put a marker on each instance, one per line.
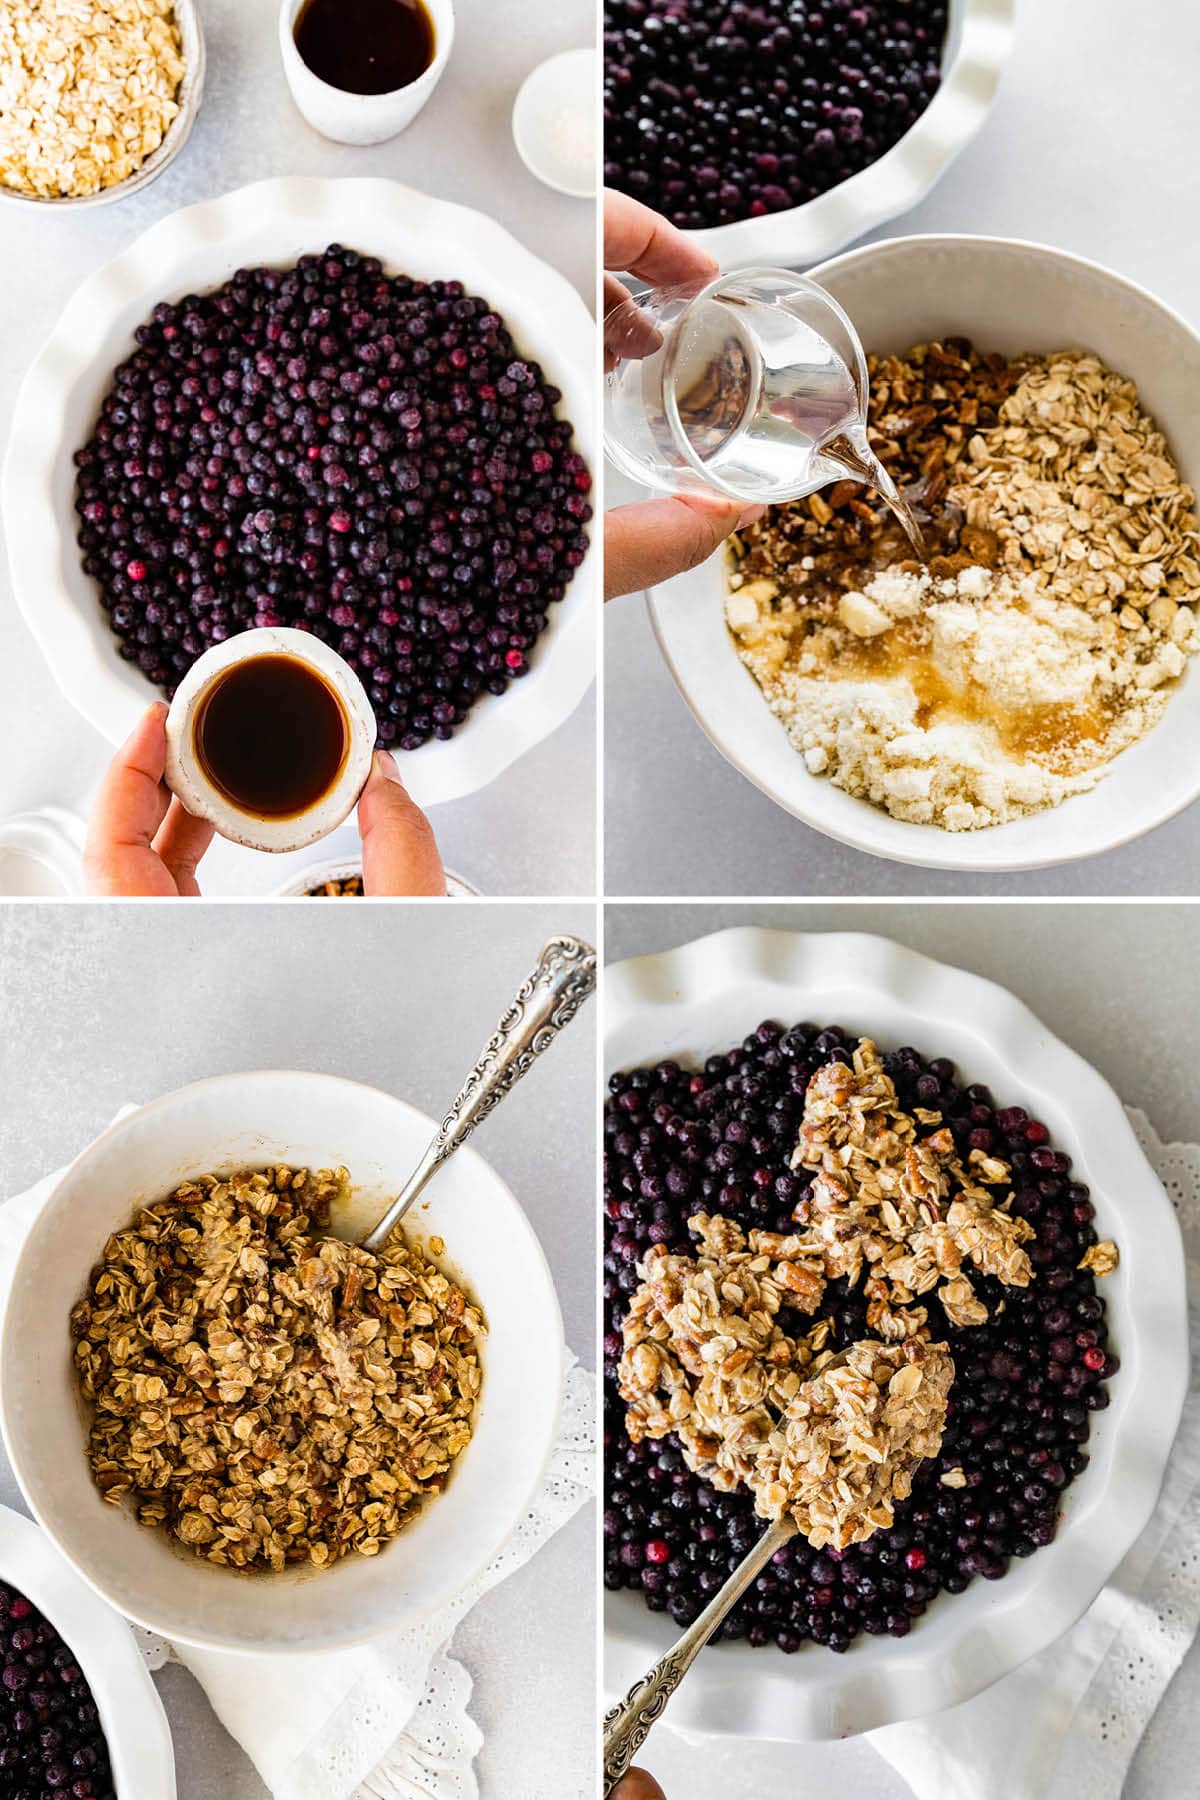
(366, 46)
(271, 736)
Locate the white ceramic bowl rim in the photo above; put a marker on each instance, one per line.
(131, 1713)
(338, 1628)
(1145, 786)
(978, 42)
(707, 994)
(199, 247)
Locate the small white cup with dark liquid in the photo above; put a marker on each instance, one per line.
(270, 737)
(344, 44)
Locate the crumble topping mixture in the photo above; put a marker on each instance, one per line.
(1044, 636)
(266, 1393)
(833, 1441)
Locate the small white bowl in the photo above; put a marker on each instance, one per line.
(41, 854)
(695, 1001)
(978, 42)
(240, 1121)
(554, 122)
(198, 248)
(1007, 296)
(175, 137)
(361, 118)
(186, 778)
(131, 1713)
(302, 885)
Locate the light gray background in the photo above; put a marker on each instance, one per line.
(110, 1003)
(1120, 984)
(1092, 145)
(532, 830)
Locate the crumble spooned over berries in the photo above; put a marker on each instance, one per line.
(680, 1143)
(363, 456)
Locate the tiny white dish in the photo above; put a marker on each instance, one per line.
(131, 1713)
(979, 40)
(186, 777)
(349, 118)
(1006, 296)
(41, 854)
(198, 248)
(554, 122)
(697, 1000)
(191, 88)
(254, 1120)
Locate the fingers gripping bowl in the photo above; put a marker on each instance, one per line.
(1007, 297)
(253, 1121)
(690, 1005)
(267, 228)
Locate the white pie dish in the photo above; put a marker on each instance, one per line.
(978, 42)
(1007, 296)
(236, 1121)
(699, 999)
(131, 1713)
(198, 248)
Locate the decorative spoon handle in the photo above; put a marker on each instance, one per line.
(627, 1726)
(548, 999)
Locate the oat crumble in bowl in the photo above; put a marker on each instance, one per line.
(860, 1198)
(267, 1393)
(1051, 624)
(88, 91)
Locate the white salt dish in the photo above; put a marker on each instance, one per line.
(253, 1120)
(199, 248)
(186, 778)
(979, 40)
(349, 118)
(554, 122)
(692, 1002)
(41, 854)
(1006, 296)
(131, 1713)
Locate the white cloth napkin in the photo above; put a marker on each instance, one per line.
(387, 1721)
(1067, 1723)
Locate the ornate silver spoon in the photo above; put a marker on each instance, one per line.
(547, 1000)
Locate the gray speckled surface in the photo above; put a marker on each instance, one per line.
(460, 148)
(108, 1003)
(1092, 119)
(1120, 984)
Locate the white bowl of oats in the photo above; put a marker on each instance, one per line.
(1026, 700)
(97, 97)
(303, 1444)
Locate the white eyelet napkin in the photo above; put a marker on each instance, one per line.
(1067, 1723)
(387, 1721)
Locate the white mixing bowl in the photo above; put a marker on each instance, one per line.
(1006, 296)
(239, 1121)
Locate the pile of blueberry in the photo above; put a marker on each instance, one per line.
(717, 110)
(360, 456)
(51, 1744)
(719, 1140)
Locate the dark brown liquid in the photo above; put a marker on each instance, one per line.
(365, 46)
(272, 736)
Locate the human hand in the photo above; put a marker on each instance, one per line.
(654, 539)
(400, 853)
(141, 841)
(637, 1785)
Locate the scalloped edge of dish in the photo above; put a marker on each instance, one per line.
(131, 1714)
(658, 1006)
(980, 40)
(432, 238)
